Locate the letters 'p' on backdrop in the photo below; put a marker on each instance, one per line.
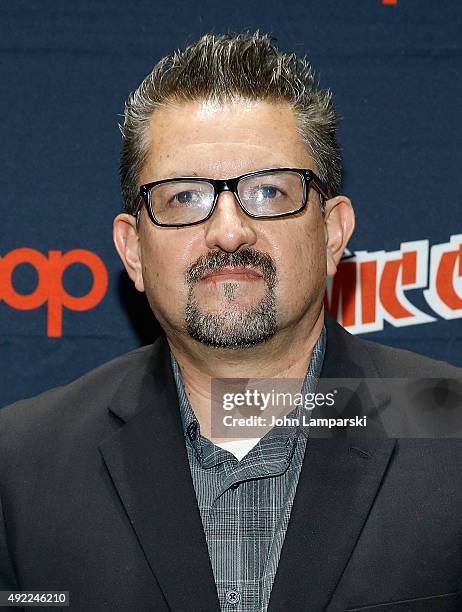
(66, 68)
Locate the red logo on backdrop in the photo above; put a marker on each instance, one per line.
(49, 287)
(371, 288)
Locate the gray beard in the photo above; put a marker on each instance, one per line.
(235, 327)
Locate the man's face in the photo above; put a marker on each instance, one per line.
(232, 281)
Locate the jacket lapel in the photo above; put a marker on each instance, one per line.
(148, 464)
(338, 483)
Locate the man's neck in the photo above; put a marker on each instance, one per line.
(286, 355)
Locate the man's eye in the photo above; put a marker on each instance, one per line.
(263, 193)
(186, 198)
(267, 192)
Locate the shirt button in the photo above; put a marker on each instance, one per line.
(235, 485)
(233, 596)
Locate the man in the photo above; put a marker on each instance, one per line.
(118, 489)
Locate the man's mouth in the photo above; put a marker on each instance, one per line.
(246, 266)
(232, 274)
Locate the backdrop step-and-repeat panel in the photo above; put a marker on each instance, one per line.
(395, 68)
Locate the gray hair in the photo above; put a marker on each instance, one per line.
(230, 67)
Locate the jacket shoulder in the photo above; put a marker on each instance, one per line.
(394, 362)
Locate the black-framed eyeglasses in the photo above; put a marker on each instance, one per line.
(269, 193)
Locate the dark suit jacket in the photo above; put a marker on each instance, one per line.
(97, 499)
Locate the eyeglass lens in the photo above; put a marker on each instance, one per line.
(262, 195)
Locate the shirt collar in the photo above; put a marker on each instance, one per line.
(288, 435)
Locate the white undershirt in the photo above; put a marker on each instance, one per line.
(239, 448)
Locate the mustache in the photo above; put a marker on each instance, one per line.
(246, 258)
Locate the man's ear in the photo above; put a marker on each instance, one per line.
(339, 223)
(127, 243)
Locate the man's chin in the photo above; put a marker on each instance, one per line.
(233, 340)
(237, 328)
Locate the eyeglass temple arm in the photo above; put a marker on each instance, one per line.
(320, 187)
(138, 204)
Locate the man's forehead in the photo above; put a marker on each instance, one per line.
(195, 138)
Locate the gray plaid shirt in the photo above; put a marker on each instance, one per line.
(245, 505)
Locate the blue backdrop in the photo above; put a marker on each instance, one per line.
(66, 70)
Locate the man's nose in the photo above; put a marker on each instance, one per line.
(229, 228)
